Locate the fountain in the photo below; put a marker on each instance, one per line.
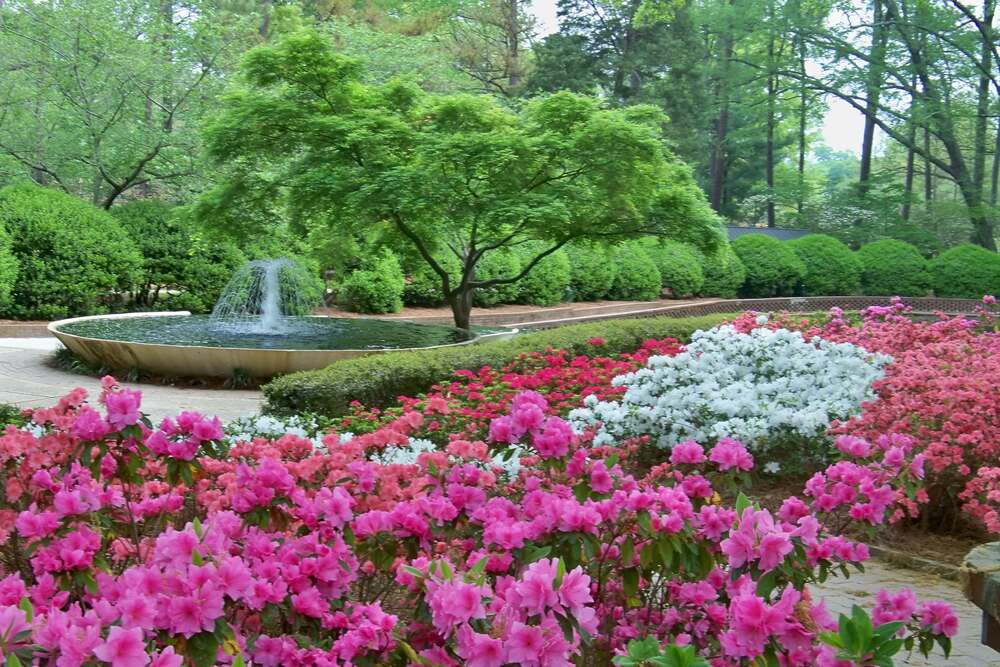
(261, 326)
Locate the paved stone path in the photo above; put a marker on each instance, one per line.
(967, 651)
(28, 381)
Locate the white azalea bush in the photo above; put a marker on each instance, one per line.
(765, 388)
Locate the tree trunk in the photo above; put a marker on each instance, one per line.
(801, 196)
(928, 172)
(908, 180)
(461, 306)
(718, 161)
(873, 89)
(513, 30)
(265, 20)
(769, 151)
(996, 166)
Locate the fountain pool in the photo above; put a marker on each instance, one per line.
(260, 326)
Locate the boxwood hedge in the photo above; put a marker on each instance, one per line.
(376, 381)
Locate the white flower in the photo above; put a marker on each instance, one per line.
(761, 320)
(749, 386)
(772, 467)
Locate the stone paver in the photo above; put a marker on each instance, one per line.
(27, 380)
(967, 651)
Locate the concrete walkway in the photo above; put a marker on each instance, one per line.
(841, 594)
(27, 380)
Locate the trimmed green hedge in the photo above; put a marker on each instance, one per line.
(679, 266)
(773, 269)
(376, 381)
(547, 282)
(637, 278)
(723, 271)
(965, 271)
(73, 258)
(831, 267)
(893, 268)
(592, 271)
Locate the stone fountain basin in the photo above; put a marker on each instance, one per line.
(170, 360)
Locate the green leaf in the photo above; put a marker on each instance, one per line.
(630, 579)
(202, 649)
(742, 502)
(28, 609)
(12, 660)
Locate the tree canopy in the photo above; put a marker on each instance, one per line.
(457, 173)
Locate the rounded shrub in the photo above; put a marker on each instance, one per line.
(592, 271)
(73, 258)
(723, 271)
(180, 269)
(680, 270)
(502, 263)
(892, 268)
(637, 277)
(8, 269)
(965, 271)
(831, 267)
(547, 282)
(423, 284)
(772, 267)
(375, 289)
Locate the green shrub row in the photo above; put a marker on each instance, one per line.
(378, 380)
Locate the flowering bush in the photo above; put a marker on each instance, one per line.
(760, 387)
(940, 395)
(135, 544)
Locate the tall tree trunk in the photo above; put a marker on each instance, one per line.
(512, 19)
(265, 18)
(803, 101)
(908, 179)
(873, 89)
(983, 105)
(769, 157)
(718, 161)
(995, 176)
(928, 171)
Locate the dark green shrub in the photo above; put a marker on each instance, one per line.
(831, 267)
(637, 278)
(680, 270)
(8, 268)
(723, 271)
(772, 268)
(965, 271)
(502, 263)
(592, 271)
(72, 257)
(375, 289)
(377, 381)
(892, 268)
(423, 284)
(180, 269)
(547, 282)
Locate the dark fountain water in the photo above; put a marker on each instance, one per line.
(266, 305)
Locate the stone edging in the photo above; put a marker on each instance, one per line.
(919, 563)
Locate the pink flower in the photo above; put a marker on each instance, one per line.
(939, 617)
(524, 644)
(689, 452)
(728, 454)
(535, 588)
(123, 648)
(574, 593)
(166, 658)
(123, 407)
(773, 549)
(479, 650)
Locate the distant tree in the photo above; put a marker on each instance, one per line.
(449, 173)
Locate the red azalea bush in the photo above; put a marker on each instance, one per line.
(467, 403)
(133, 544)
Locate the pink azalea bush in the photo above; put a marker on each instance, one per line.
(134, 544)
(937, 409)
